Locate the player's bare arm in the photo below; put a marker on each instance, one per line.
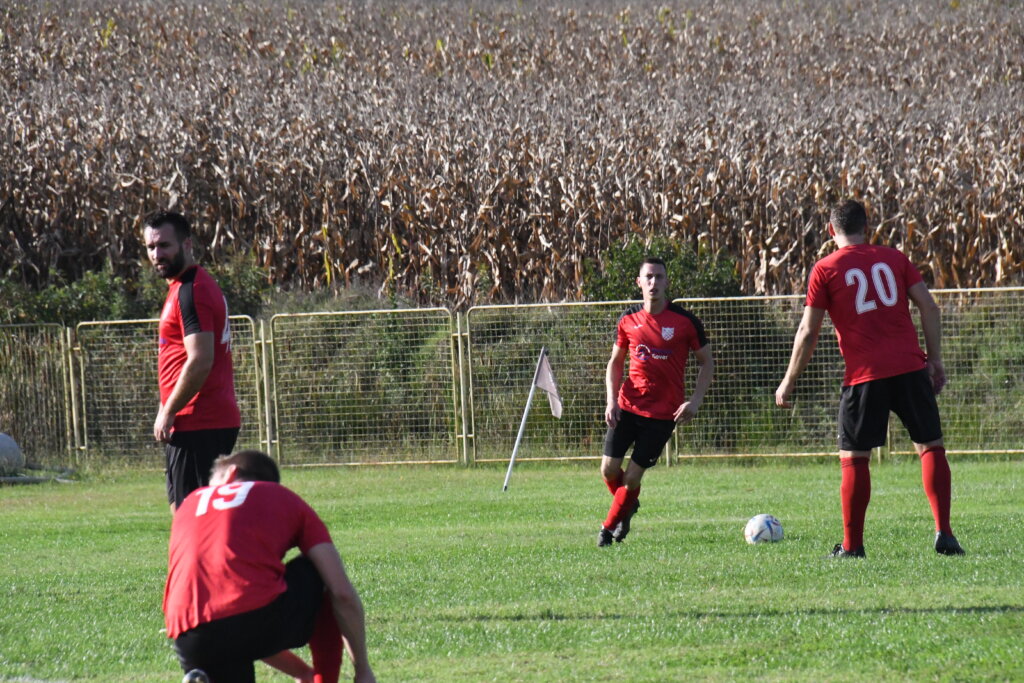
(348, 609)
(199, 348)
(612, 382)
(706, 360)
(931, 326)
(803, 348)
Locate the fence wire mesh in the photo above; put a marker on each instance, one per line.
(504, 343)
(983, 351)
(365, 387)
(119, 386)
(388, 386)
(35, 392)
(750, 338)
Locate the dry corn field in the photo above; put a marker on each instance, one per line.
(479, 152)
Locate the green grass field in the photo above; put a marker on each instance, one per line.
(463, 582)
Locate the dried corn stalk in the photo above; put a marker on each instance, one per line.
(455, 154)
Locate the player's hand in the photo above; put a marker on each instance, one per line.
(162, 427)
(783, 393)
(611, 415)
(937, 373)
(686, 412)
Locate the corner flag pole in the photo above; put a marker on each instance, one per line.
(522, 425)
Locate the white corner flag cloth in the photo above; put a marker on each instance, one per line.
(545, 379)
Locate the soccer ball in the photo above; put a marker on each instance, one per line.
(763, 529)
(11, 459)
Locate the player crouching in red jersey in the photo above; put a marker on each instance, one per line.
(230, 599)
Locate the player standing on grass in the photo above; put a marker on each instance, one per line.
(643, 410)
(865, 290)
(198, 417)
(230, 599)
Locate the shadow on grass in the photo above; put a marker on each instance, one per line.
(547, 615)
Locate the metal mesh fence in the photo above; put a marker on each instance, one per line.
(365, 387)
(120, 396)
(504, 342)
(35, 392)
(983, 351)
(750, 338)
(389, 386)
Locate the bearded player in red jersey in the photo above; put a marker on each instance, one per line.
(230, 599)
(865, 289)
(643, 410)
(198, 417)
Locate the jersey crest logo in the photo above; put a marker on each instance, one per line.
(667, 333)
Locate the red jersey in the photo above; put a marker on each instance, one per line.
(659, 346)
(227, 549)
(864, 289)
(195, 304)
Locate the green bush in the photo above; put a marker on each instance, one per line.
(95, 296)
(691, 273)
(104, 296)
(245, 285)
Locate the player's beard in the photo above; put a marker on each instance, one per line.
(169, 269)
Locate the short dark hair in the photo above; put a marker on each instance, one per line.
(654, 260)
(182, 229)
(251, 465)
(848, 217)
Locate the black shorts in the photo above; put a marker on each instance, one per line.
(647, 435)
(864, 411)
(190, 456)
(227, 648)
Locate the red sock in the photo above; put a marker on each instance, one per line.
(937, 485)
(325, 644)
(624, 499)
(614, 483)
(855, 493)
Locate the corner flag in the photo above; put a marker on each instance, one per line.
(543, 378)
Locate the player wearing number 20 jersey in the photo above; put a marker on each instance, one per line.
(864, 289)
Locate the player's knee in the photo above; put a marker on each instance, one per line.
(611, 470)
(632, 480)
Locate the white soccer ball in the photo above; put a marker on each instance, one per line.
(763, 529)
(11, 459)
